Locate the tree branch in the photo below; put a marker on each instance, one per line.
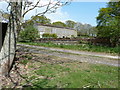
(31, 8)
(53, 7)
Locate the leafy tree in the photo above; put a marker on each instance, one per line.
(108, 22)
(27, 23)
(84, 29)
(29, 34)
(70, 24)
(78, 26)
(41, 19)
(37, 20)
(59, 24)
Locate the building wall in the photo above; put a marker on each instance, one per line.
(60, 32)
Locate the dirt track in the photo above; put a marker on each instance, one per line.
(82, 56)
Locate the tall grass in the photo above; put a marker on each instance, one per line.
(83, 47)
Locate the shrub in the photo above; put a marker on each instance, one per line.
(54, 35)
(28, 34)
(72, 36)
(47, 35)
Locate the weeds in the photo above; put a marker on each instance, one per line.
(24, 62)
(65, 75)
(84, 47)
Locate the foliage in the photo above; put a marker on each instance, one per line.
(24, 62)
(85, 29)
(70, 24)
(54, 35)
(72, 36)
(84, 47)
(108, 22)
(37, 20)
(27, 23)
(41, 19)
(59, 24)
(48, 35)
(29, 34)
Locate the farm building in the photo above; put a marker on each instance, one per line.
(61, 32)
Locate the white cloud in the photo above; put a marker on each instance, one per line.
(3, 6)
(54, 16)
(59, 15)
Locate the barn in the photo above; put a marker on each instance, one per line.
(61, 32)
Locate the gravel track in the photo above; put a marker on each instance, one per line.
(82, 56)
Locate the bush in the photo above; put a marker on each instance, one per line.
(28, 34)
(47, 35)
(72, 36)
(54, 35)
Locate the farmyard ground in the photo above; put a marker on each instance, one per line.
(40, 70)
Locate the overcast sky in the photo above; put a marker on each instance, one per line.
(84, 12)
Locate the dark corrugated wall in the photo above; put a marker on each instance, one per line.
(3, 29)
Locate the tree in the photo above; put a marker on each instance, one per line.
(59, 24)
(83, 29)
(17, 11)
(108, 22)
(70, 24)
(37, 20)
(41, 20)
(29, 34)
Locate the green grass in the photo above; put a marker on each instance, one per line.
(85, 47)
(73, 75)
(24, 62)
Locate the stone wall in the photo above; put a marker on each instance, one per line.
(62, 42)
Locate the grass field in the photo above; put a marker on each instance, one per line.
(84, 47)
(56, 72)
(48, 74)
(72, 75)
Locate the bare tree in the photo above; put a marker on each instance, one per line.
(17, 11)
(22, 7)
